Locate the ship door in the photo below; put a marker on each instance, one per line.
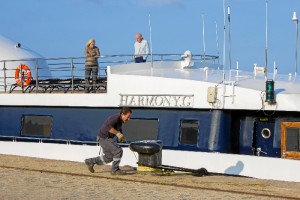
(263, 139)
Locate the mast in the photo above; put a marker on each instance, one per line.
(203, 38)
(295, 20)
(229, 38)
(266, 50)
(224, 39)
(217, 41)
(150, 30)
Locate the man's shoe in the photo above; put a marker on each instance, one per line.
(89, 165)
(118, 172)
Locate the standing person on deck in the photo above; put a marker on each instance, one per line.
(112, 151)
(141, 49)
(91, 65)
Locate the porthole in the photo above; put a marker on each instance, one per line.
(266, 133)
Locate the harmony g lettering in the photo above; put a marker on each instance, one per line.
(157, 100)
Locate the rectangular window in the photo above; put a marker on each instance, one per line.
(293, 139)
(290, 140)
(140, 129)
(36, 125)
(189, 132)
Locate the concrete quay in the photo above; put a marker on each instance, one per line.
(35, 178)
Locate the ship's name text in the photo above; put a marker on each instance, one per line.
(178, 101)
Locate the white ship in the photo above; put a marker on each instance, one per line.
(227, 121)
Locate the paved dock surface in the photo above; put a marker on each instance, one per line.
(33, 178)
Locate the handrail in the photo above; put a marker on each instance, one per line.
(195, 57)
(70, 68)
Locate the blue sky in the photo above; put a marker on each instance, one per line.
(60, 28)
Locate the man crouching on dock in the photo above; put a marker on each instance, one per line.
(111, 149)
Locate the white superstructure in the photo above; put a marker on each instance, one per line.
(12, 55)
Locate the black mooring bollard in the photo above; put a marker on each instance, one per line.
(150, 153)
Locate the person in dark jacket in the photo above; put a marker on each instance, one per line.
(112, 151)
(91, 65)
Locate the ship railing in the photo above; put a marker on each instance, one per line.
(68, 74)
(47, 140)
(260, 74)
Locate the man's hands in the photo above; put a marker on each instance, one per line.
(120, 136)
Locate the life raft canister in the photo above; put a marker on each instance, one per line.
(26, 75)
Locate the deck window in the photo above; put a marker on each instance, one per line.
(290, 140)
(141, 129)
(293, 139)
(36, 125)
(189, 132)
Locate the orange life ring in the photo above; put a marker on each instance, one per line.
(26, 75)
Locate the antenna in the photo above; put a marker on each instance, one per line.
(266, 50)
(229, 38)
(224, 36)
(203, 39)
(150, 40)
(295, 20)
(217, 40)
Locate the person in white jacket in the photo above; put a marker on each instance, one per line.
(141, 49)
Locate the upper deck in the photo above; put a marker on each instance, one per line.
(66, 75)
(164, 78)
